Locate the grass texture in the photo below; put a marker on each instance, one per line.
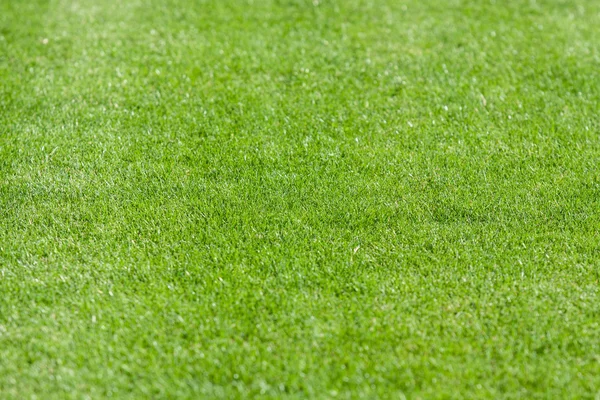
(299, 199)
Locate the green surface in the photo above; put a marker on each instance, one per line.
(290, 198)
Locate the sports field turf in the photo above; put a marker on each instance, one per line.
(293, 198)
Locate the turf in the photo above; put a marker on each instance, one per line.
(299, 199)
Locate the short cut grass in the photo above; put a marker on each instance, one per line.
(292, 198)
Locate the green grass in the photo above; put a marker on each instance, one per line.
(294, 198)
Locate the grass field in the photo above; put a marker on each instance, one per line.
(294, 198)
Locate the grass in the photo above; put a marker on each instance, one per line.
(292, 198)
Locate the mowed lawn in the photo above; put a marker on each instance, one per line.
(299, 199)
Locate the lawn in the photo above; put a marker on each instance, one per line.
(299, 199)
